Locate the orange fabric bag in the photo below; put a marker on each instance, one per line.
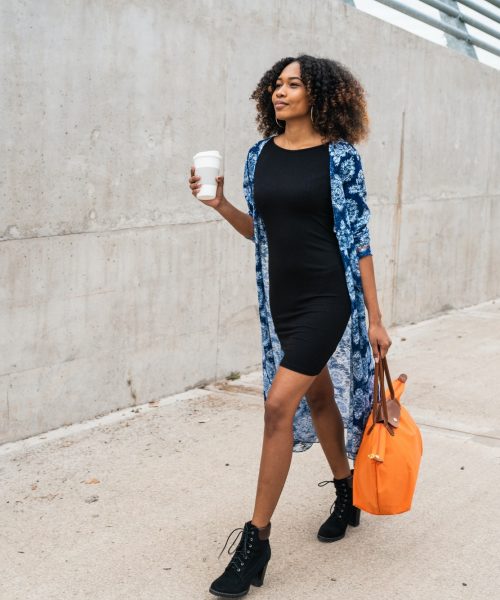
(387, 462)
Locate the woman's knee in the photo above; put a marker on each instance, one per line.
(276, 414)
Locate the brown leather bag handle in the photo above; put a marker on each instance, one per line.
(375, 396)
(388, 375)
(379, 399)
(383, 400)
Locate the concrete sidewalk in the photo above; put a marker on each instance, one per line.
(138, 504)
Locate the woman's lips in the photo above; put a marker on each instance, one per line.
(281, 105)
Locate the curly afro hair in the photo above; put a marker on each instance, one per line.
(337, 97)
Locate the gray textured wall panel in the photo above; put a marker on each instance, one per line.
(117, 286)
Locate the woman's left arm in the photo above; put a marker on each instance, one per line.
(353, 179)
(377, 334)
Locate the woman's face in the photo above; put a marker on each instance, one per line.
(289, 96)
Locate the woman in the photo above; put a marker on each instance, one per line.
(307, 215)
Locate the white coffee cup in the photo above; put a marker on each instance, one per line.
(207, 165)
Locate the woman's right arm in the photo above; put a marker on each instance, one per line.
(242, 222)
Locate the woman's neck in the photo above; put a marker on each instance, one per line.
(299, 135)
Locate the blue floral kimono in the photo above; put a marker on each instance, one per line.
(351, 366)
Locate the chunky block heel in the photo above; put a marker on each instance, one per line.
(354, 516)
(258, 580)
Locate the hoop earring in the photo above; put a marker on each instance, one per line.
(312, 114)
(277, 122)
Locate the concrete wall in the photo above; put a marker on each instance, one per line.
(116, 286)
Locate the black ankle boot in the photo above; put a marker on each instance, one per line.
(248, 564)
(342, 511)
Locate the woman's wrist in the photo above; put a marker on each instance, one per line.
(222, 204)
(375, 319)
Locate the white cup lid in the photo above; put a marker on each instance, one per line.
(208, 153)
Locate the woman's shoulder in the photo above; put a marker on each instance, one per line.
(345, 146)
(259, 143)
(345, 151)
(255, 148)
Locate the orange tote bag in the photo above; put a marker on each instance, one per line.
(387, 462)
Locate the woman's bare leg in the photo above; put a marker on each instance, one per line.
(328, 423)
(283, 398)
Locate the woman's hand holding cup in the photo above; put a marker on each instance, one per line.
(195, 185)
(205, 175)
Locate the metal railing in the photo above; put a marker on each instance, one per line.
(453, 22)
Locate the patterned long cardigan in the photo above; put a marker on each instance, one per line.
(351, 366)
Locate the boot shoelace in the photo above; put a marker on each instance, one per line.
(340, 502)
(240, 553)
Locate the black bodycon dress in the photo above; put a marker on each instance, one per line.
(308, 294)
